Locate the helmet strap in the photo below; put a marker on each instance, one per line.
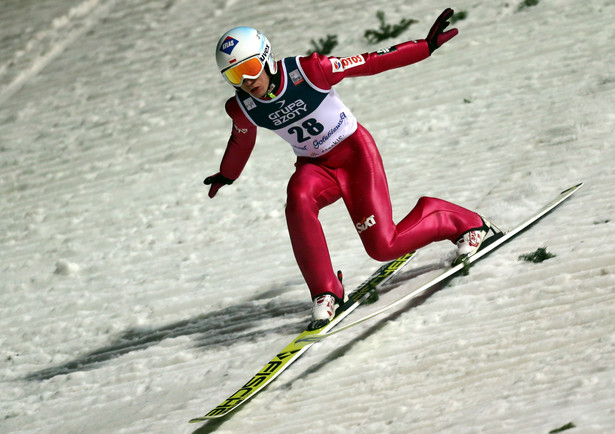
(270, 93)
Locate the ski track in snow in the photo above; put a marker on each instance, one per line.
(130, 302)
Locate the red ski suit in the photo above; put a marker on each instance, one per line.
(351, 170)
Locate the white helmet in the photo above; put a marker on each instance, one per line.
(243, 52)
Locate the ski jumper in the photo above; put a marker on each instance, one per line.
(337, 158)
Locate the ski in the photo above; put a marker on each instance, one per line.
(310, 336)
(457, 268)
(301, 343)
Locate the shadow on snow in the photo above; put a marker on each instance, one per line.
(224, 327)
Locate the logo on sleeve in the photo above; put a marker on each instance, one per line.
(351, 62)
(383, 51)
(336, 64)
(239, 130)
(228, 45)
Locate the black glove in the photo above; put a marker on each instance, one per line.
(437, 36)
(217, 181)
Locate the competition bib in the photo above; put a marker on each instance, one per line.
(312, 120)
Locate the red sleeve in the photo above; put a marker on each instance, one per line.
(240, 144)
(325, 71)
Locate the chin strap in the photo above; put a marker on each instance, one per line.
(270, 93)
(274, 82)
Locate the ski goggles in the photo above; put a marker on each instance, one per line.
(250, 68)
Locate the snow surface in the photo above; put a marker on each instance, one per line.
(130, 302)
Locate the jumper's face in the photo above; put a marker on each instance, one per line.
(257, 87)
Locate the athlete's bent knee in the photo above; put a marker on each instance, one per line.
(379, 252)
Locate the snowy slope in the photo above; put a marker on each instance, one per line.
(130, 302)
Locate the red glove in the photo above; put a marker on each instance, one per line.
(437, 36)
(217, 181)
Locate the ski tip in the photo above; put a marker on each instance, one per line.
(573, 188)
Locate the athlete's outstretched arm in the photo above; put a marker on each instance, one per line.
(238, 149)
(406, 53)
